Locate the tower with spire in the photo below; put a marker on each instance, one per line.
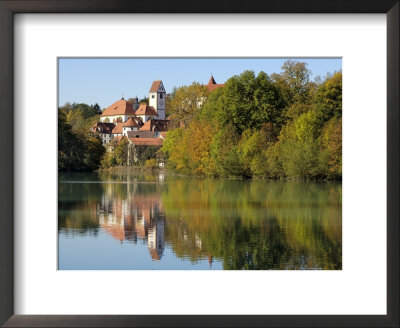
(212, 84)
(157, 98)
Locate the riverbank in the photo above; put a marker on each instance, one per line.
(126, 169)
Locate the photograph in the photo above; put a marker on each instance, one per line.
(201, 163)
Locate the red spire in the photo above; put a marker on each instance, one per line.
(212, 81)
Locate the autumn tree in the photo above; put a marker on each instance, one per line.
(328, 98)
(185, 103)
(121, 152)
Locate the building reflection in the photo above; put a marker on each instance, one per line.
(133, 215)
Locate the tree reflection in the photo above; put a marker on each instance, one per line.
(245, 224)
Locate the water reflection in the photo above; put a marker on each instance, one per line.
(221, 223)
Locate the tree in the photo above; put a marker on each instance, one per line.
(332, 144)
(94, 152)
(197, 140)
(185, 103)
(145, 153)
(152, 162)
(144, 100)
(121, 152)
(295, 83)
(328, 98)
(71, 147)
(224, 152)
(247, 101)
(300, 147)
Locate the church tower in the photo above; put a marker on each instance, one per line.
(157, 98)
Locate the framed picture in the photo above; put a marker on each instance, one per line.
(215, 252)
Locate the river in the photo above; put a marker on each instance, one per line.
(128, 219)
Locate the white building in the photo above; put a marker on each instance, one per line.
(157, 98)
(119, 111)
(130, 125)
(104, 131)
(146, 112)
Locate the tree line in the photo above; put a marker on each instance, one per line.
(141, 155)
(78, 148)
(278, 126)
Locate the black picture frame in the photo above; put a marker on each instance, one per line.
(10, 7)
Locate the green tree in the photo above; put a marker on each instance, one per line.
(300, 147)
(332, 145)
(71, 147)
(152, 162)
(247, 101)
(94, 152)
(185, 102)
(328, 98)
(224, 152)
(294, 82)
(121, 152)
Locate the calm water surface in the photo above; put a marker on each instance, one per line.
(132, 220)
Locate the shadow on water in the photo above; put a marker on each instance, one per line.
(243, 224)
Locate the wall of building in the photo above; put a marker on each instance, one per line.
(111, 118)
(105, 138)
(153, 101)
(145, 118)
(128, 128)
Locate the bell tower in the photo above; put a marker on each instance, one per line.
(157, 98)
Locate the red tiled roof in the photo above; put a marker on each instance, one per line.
(146, 110)
(118, 128)
(212, 85)
(102, 127)
(131, 122)
(155, 86)
(140, 134)
(146, 141)
(146, 126)
(161, 125)
(120, 107)
(156, 125)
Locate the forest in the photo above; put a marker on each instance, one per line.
(279, 126)
(78, 148)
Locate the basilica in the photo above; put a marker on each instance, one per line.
(133, 120)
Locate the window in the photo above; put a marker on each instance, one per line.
(161, 95)
(152, 96)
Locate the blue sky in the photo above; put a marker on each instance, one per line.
(104, 80)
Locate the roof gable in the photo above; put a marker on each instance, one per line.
(146, 110)
(212, 85)
(211, 81)
(131, 122)
(102, 127)
(120, 107)
(155, 125)
(157, 86)
(117, 129)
